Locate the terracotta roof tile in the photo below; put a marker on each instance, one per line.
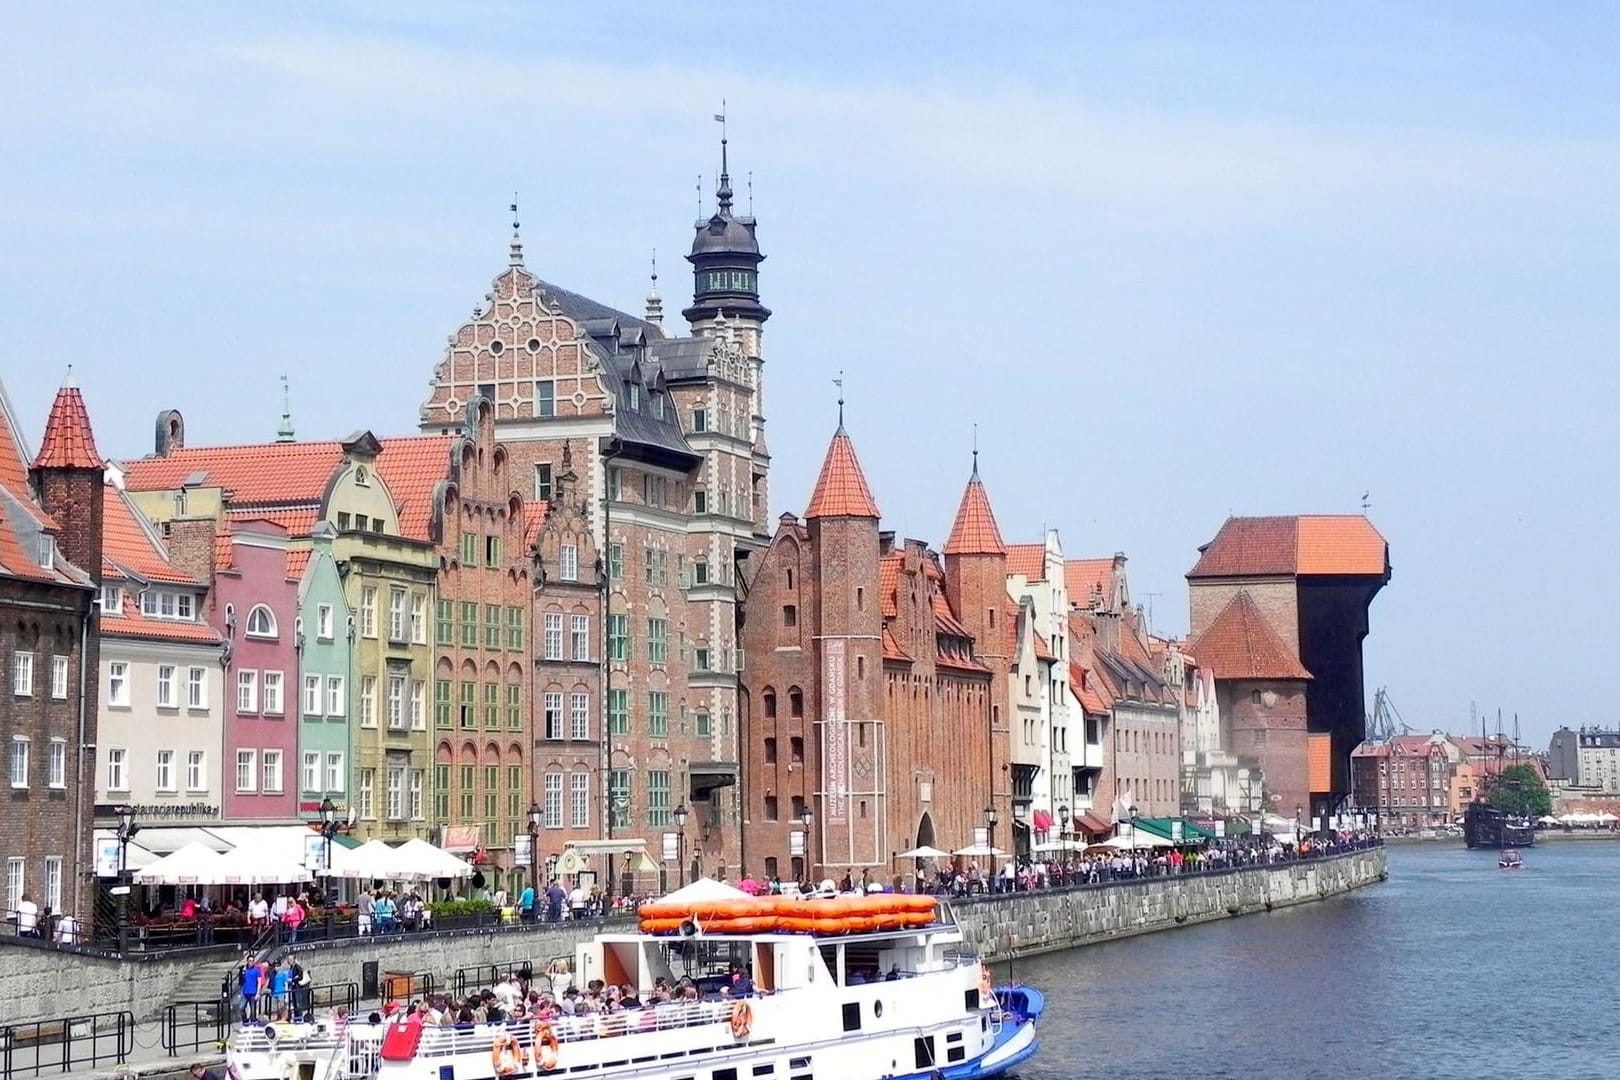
(297, 520)
(1085, 690)
(1240, 644)
(841, 489)
(1043, 650)
(1085, 578)
(224, 550)
(975, 532)
(297, 563)
(1028, 560)
(68, 442)
(1010, 614)
(135, 625)
(413, 467)
(13, 451)
(889, 583)
(129, 545)
(1279, 546)
(534, 519)
(891, 647)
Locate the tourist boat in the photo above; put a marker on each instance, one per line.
(1484, 826)
(1510, 859)
(849, 988)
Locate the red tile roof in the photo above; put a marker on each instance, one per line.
(1043, 650)
(1085, 690)
(1284, 546)
(891, 647)
(224, 550)
(297, 562)
(975, 532)
(1240, 644)
(133, 624)
(13, 454)
(413, 467)
(889, 583)
(1085, 578)
(297, 520)
(68, 442)
(130, 546)
(841, 489)
(534, 519)
(1028, 560)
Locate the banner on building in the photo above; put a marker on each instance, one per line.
(671, 848)
(834, 732)
(795, 843)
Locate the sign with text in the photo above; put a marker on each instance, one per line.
(106, 856)
(671, 847)
(314, 852)
(834, 731)
(795, 843)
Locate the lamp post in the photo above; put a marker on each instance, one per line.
(127, 828)
(809, 820)
(1299, 822)
(680, 841)
(1063, 834)
(1134, 813)
(329, 829)
(990, 833)
(534, 857)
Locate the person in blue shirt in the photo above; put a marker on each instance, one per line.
(280, 981)
(250, 991)
(526, 903)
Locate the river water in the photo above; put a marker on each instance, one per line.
(1451, 968)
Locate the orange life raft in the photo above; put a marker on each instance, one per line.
(780, 914)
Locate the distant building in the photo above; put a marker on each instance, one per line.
(1588, 758)
(1407, 782)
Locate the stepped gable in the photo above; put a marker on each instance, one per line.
(974, 531)
(841, 489)
(1240, 644)
(1312, 544)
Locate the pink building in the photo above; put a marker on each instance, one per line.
(256, 609)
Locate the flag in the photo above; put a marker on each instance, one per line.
(720, 117)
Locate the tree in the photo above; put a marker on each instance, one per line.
(1520, 792)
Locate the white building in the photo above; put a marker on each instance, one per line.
(1035, 579)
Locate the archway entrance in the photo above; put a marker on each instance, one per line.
(925, 831)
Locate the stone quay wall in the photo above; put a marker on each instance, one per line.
(1023, 924)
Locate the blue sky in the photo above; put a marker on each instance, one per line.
(1176, 261)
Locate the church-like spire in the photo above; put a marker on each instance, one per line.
(655, 303)
(723, 192)
(515, 255)
(284, 430)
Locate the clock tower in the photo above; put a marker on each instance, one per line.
(725, 262)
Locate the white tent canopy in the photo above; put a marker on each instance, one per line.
(417, 858)
(255, 866)
(703, 890)
(1142, 840)
(980, 851)
(193, 864)
(371, 861)
(1058, 845)
(924, 852)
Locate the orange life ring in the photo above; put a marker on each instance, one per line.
(545, 1046)
(507, 1056)
(984, 982)
(742, 1018)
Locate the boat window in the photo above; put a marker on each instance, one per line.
(924, 1047)
(764, 1070)
(725, 1074)
(852, 1016)
(706, 958)
(955, 1053)
(970, 1000)
(954, 1037)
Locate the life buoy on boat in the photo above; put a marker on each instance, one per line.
(545, 1046)
(742, 1019)
(507, 1056)
(985, 986)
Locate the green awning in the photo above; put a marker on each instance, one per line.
(1190, 832)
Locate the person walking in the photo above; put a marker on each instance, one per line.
(526, 903)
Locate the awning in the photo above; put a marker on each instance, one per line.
(1190, 831)
(1091, 823)
(1043, 820)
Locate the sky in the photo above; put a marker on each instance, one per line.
(1175, 261)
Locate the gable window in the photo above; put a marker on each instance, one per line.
(260, 623)
(323, 622)
(112, 600)
(700, 419)
(568, 563)
(545, 398)
(542, 481)
(47, 552)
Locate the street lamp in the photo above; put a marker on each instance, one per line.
(1299, 821)
(534, 857)
(990, 833)
(1134, 813)
(808, 818)
(680, 841)
(127, 828)
(1064, 822)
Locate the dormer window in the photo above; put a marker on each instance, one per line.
(658, 406)
(261, 623)
(47, 552)
(112, 600)
(163, 604)
(362, 477)
(635, 397)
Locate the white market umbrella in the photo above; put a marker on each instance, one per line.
(255, 866)
(705, 889)
(979, 851)
(924, 852)
(1140, 841)
(193, 864)
(416, 858)
(371, 861)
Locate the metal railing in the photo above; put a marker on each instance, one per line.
(487, 975)
(192, 1025)
(65, 1045)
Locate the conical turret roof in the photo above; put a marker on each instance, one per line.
(841, 489)
(975, 531)
(68, 442)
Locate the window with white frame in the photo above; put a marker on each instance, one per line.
(554, 714)
(580, 631)
(418, 705)
(312, 771)
(366, 798)
(323, 622)
(272, 770)
(368, 611)
(19, 761)
(418, 618)
(167, 604)
(247, 770)
(272, 692)
(56, 765)
(165, 686)
(415, 807)
(579, 799)
(337, 780)
(260, 622)
(197, 688)
(117, 769)
(163, 774)
(112, 600)
(312, 695)
(368, 701)
(579, 716)
(59, 678)
(335, 705)
(568, 564)
(118, 684)
(247, 691)
(394, 807)
(396, 703)
(22, 674)
(196, 770)
(396, 614)
(14, 882)
(554, 635)
(53, 882)
(554, 800)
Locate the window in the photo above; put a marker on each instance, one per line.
(468, 778)
(700, 661)
(618, 712)
(658, 714)
(492, 705)
(445, 624)
(117, 770)
(514, 628)
(790, 615)
(568, 563)
(700, 501)
(542, 481)
(112, 600)
(247, 771)
(167, 605)
(545, 398)
(165, 686)
(419, 618)
(770, 751)
(59, 678)
(654, 566)
(469, 549)
(492, 551)
(441, 703)
(272, 692)
(492, 626)
(796, 702)
(323, 622)
(394, 808)
(418, 707)
(19, 761)
(197, 688)
(260, 623)
(312, 771)
(514, 706)
(441, 792)
(616, 484)
(619, 638)
(365, 799)
(579, 799)
(14, 882)
(700, 419)
(554, 636)
(579, 717)
(616, 562)
(247, 691)
(56, 764)
(580, 631)
(469, 625)
(53, 882)
(368, 611)
(492, 797)
(796, 749)
(272, 770)
(652, 489)
(469, 700)
(553, 715)
(700, 572)
(195, 771)
(415, 803)
(619, 797)
(334, 695)
(768, 702)
(22, 674)
(771, 808)
(396, 614)
(658, 641)
(554, 800)
(657, 797)
(704, 725)
(368, 701)
(164, 774)
(396, 704)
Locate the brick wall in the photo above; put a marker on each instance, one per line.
(1265, 720)
(1276, 599)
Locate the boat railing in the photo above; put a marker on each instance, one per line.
(445, 1040)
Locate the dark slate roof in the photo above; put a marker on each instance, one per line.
(585, 311)
(682, 358)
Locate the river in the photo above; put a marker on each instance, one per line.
(1451, 968)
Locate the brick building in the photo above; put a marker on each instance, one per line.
(868, 704)
(50, 561)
